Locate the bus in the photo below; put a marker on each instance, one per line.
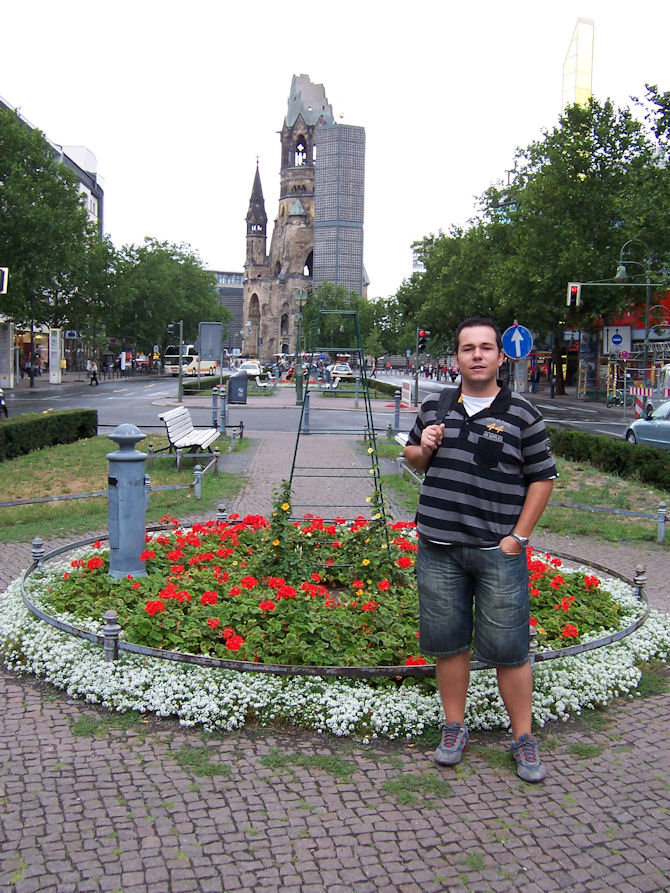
(191, 364)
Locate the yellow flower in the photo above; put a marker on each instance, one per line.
(370, 450)
(367, 539)
(274, 514)
(360, 592)
(541, 630)
(285, 506)
(368, 498)
(365, 562)
(275, 542)
(372, 471)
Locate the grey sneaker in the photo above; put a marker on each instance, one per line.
(526, 752)
(455, 740)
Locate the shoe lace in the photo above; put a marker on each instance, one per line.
(529, 750)
(450, 735)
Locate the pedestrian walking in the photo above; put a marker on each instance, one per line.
(488, 477)
(94, 374)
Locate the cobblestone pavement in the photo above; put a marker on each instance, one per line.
(90, 805)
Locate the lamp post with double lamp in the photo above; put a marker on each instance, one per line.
(623, 277)
(300, 297)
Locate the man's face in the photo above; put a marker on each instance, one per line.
(478, 355)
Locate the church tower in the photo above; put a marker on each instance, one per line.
(271, 280)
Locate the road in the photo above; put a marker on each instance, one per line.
(140, 401)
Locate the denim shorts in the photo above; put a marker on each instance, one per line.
(465, 587)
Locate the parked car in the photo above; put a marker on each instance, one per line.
(340, 369)
(251, 367)
(653, 430)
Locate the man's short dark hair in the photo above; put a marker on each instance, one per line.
(473, 321)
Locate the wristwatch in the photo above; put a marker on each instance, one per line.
(521, 540)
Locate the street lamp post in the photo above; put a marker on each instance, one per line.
(300, 297)
(180, 388)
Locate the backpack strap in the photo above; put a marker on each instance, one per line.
(446, 401)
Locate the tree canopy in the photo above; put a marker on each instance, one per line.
(576, 196)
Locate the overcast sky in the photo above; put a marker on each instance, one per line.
(178, 99)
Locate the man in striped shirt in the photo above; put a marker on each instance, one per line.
(488, 477)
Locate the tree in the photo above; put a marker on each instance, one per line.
(43, 224)
(158, 283)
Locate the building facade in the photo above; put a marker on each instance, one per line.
(321, 179)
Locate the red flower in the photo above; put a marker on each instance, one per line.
(267, 606)
(227, 632)
(209, 598)
(97, 544)
(533, 621)
(249, 582)
(415, 661)
(213, 622)
(570, 631)
(591, 582)
(234, 643)
(404, 561)
(174, 555)
(177, 569)
(534, 591)
(369, 606)
(357, 584)
(286, 592)
(66, 575)
(136, 586)
(154, 607)
(234, 590)
(383, 585)
(316, 577)
(94, 563)
(147, 555)
(557, 582)
(556, 562)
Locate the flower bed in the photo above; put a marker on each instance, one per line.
(250, 589)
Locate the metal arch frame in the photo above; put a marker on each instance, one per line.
(422, 671)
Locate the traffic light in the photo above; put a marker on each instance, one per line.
(574, 298)
(422, 340)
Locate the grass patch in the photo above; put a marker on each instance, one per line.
(654, 680)
(334, 765)
(405, 494)
(406, 787)
(493, 756)
(82, 468)
(87, 726)
(585, 751)
(196, 760)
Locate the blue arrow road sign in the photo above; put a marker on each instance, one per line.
(517, 342)
(617, 338)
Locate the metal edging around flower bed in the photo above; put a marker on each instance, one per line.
(421, 671)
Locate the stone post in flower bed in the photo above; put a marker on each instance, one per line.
(126, 504)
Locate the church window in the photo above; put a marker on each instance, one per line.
(300, 155)
(307, 269)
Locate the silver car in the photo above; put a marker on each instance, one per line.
(654, 430)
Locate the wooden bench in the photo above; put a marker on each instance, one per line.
(181, 433)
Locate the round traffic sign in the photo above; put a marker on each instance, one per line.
(517, 342)
(617, 338)
(624, 354)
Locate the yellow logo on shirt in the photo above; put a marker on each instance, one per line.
(497, 428)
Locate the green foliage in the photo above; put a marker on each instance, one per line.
(197, 761)
(643, 463)
(32, 431)
(216, 590)
(43, 224)
(576, 196)
(158, 283)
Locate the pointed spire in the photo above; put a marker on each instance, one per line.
(256, 217)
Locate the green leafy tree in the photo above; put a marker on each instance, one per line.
(43, 225)
(158, 283)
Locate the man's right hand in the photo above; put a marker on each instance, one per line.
(431, 438)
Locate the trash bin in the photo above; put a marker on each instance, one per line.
(237, 387)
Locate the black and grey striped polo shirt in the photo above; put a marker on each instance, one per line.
(476, 484)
